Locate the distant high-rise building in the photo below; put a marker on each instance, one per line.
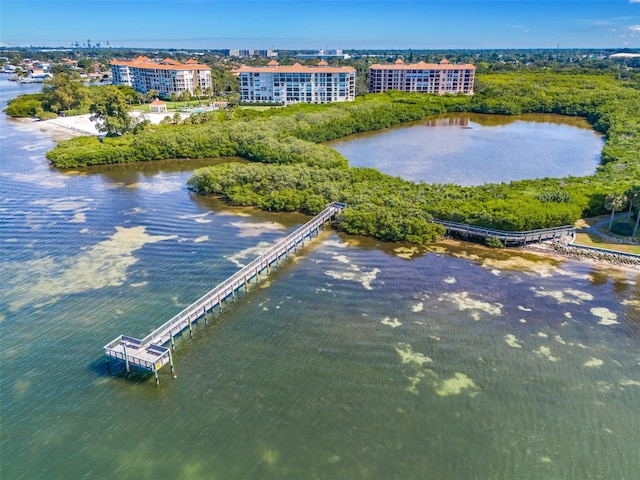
(234, 52)
(251, 53)
(441, 78)
(325, 54)
(89, 43)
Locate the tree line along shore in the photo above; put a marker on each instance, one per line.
(291, 170)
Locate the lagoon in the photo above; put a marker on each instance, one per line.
(472, 149)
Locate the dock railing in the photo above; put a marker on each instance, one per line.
(509, 238)
(143, 353)
(150, 352)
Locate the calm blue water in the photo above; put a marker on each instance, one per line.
(355, 360)
(472, 149)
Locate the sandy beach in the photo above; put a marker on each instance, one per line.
(67, 127)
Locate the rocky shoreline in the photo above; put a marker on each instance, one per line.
(577, 252)
(612, 257)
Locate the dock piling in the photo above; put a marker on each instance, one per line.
(150, 353)
(126, 358)
(173, 369)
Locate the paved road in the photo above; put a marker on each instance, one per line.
(601, 227)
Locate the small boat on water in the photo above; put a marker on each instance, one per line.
(38, 78)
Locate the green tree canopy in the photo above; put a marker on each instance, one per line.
(614, 202)
(152, 95)
(636, 204)
(64, 91)
(380, 205)
(110, 111)
(633, 195)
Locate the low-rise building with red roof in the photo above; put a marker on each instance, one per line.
(157, 106)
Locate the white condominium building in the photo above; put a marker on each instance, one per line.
(166, 77)
(297, 83)
(443, 77)
(252, 53)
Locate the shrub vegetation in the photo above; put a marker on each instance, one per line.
(292, 170)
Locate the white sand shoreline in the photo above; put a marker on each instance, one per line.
(80, 125)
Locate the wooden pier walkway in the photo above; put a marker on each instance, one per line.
(509, 239)
(151, 352)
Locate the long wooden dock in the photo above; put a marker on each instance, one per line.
(509, 239)
(151, 352)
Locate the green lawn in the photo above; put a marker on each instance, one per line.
(259, 107)
(594, 232)
(174, 106)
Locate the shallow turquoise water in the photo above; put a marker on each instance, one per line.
(354, 360)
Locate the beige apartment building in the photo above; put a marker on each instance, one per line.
(440, 78)
(289, 84)
(166, 77)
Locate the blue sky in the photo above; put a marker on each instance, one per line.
(302, 24)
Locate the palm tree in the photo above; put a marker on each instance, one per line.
(614, 202)
(174, 98)
(20, 73)
(186, 96)
(636, 203)
(151, 95)
(632, 194)
(209, 92)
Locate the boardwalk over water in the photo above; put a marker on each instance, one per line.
(150, 352)
(509, 239)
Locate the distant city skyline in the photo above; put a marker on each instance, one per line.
(333, 24)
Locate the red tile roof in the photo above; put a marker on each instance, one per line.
(170, 61)
(443, 65)
(295, 68)
(145, 63)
